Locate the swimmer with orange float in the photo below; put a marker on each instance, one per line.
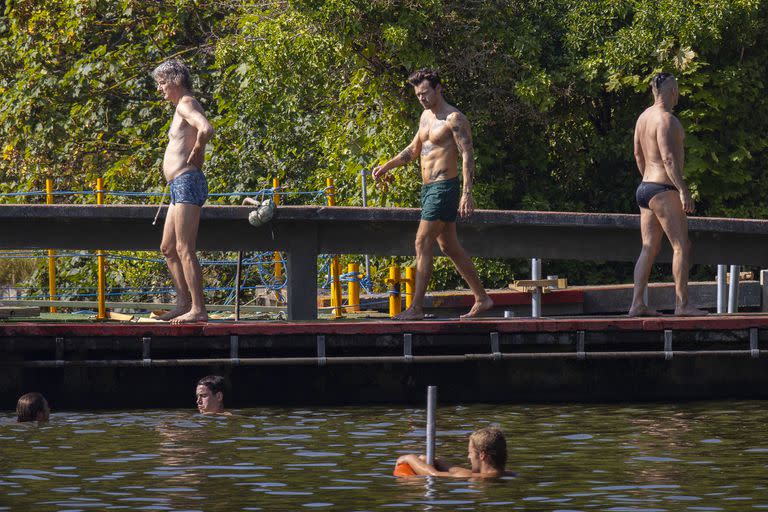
(487, 454)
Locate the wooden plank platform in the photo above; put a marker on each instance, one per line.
(111, 364)
(380, 327)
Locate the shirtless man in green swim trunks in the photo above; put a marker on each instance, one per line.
(443, 135)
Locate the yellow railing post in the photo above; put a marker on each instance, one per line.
(278, 256)
(410, 281)
(100, 260)
(336, 298)
(393, 287)
(353, 288)
(51, 252)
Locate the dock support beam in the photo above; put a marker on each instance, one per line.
(302, 270)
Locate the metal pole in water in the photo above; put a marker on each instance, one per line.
(733, 290)
(431, 408)
(721, 289)
(536, 294)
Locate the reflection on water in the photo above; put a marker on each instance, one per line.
(703, 456)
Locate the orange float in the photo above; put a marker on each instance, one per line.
(404, 469)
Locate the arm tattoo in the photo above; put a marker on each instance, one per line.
(406, 155)
(463, 138)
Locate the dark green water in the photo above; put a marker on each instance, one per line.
(702, 456)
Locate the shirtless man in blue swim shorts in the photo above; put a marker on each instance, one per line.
(663, 196)
(444, 135)
(182, 166)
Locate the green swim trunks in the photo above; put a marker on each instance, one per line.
(440, 200)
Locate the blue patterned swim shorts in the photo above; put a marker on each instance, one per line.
(189, 187)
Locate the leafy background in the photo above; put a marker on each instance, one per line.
(308, 89)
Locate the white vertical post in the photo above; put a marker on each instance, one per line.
(733, 290)
(721, 289)
(536, 294)
(646, 295)
(431, 409)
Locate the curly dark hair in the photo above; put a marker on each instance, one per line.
(215, 383)
(427, 74)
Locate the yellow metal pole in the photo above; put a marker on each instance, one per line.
(51, 252)
(393, 286)
(410, 282)
(336, 298)
(278, 256)
(100, 259)
(353, 288)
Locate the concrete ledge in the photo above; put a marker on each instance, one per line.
(304, 232)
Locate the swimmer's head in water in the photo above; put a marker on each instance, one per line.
(32, 407)
(173, 71)
(209, 394)
(427, 86)
(487, 444)
(662, 83)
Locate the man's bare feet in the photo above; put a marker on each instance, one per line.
(479, 307)
(191, 317)
(410, 314)
(177, 311)
(689, 311)
(642, 310)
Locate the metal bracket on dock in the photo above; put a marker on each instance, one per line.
(59, 349)
(321, 359)
(234, 348)
(754, 349)
(545, 285)
(495, 351)
(668, 344)
(146, 348)
(581, 337)
(408, 347)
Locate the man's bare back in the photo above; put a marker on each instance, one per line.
(653, 124)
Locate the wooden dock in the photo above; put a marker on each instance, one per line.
(111, 364)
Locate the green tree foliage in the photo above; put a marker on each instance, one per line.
(309, 89)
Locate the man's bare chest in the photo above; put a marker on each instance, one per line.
(179, 129)
(436, 132)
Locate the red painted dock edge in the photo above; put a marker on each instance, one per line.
(379, 327)
(504, 298)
